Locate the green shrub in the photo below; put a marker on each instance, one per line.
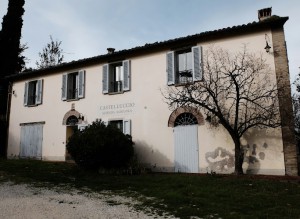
(100, 146)
(3, 132)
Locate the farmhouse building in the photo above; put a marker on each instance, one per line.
(125, 88)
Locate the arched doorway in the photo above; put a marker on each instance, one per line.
(71, 120)
(186, 148)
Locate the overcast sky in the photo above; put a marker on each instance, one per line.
(86, 28)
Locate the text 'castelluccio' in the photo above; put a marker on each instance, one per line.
(117, 108)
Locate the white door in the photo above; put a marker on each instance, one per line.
(31, 141)
(186, 149)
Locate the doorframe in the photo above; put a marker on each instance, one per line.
(196, 113)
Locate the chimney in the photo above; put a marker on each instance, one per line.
(110, 50)
(264, 13)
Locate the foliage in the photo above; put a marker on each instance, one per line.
(236, 92)
(296, 106)
(3, 132)
(10, 39)
(21, 66)
(296, 110)
(100, 146)
(52, 54)
(181, 195)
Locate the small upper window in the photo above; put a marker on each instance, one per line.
(73, 85)
(33, 93)
(184, 66)
(116, 77)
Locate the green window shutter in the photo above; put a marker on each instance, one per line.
(39, 92)
(127, 127)
(126, 70)
(26, 94)
(197, 64)
(81, 83)
(105, 77)
(170, 68)
(64, 87)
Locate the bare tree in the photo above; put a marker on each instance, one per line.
(52, 54)
(236, 92)
(296, 110)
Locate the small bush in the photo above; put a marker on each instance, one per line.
(100, 146)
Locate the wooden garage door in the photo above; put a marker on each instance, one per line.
(31, 140)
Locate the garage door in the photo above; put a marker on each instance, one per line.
(31, 140)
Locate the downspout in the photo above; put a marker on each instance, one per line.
(9, 93)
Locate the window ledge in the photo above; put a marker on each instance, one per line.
(183, 84)
(114, 93)
(70, 100)
(32, 105)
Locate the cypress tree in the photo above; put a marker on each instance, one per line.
(10, 37)
(10, 49)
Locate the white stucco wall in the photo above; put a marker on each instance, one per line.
(148, 114)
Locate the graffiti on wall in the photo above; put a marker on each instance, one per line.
(222, 161)
(219, 160)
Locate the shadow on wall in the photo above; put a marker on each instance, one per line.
(261, 146)
(152, 158)
(13, 150)
(254, 158)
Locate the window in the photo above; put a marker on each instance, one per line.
(73, 85)
(116, 77)
(184, 66)
(185, 119)
(33, 93)
(123, 125)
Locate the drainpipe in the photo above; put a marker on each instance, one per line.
(9, 93)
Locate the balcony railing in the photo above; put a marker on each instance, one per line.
(116, 86)
(185, 77)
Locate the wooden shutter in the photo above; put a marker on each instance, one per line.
(127, 127)
(126, 69)
(105, 71)
(197, 65)
(39, 92)
(26, 94)
(81, 83)
(64, 87)
(170, 68)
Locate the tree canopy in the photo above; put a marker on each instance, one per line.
(10, 36)
(51, 55)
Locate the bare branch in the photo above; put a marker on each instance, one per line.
(237, 89)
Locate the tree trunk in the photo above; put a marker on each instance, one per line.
(239, 157)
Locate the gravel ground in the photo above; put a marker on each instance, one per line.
(24, 201)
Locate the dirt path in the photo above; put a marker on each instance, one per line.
(23, 201)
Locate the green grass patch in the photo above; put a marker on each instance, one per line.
(182, 195)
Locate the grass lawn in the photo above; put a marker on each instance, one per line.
(183, 195)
